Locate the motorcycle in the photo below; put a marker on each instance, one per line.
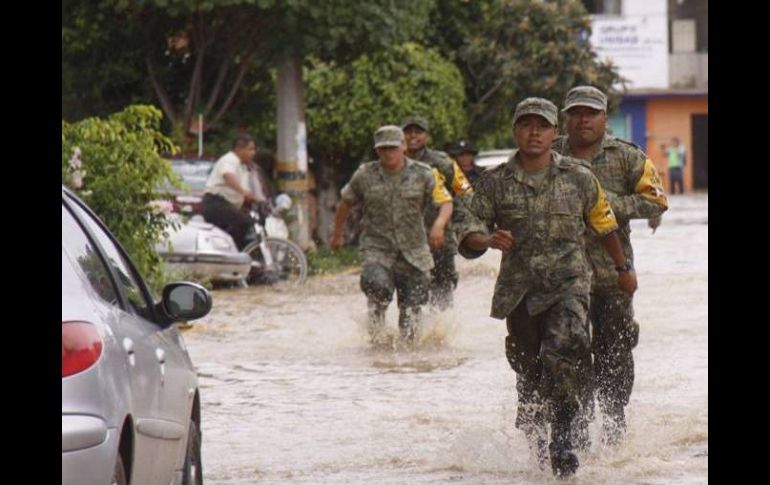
(274, 258)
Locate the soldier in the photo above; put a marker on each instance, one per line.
(536, 208)
(464, 153)
(444, 275)
(395, 192)
(634, 191)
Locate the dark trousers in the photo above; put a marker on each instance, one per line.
(443, 278)
(550, 353)
(218, 211)
(379, 283)
(615, 334)
(676, 177)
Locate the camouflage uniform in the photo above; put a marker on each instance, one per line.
(634, 191)
(444, 274)
(394, 243)
(544, 281)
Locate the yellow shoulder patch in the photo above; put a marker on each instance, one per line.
(601, 218)
(440, 194)
(461, 185)
(650, 186)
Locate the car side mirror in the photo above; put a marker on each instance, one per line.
(185, 301)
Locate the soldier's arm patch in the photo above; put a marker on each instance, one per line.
(600, 217)
(440, 193)
(650, 186)
(460, 185)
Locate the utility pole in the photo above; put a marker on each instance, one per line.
(292, 147)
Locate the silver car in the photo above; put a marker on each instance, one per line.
(130, 400)
(492, 158)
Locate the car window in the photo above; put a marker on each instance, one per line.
(79, 250)
(132, 286)
(195, 174)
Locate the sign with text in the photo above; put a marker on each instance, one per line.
(638, 45)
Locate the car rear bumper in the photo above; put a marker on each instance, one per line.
(218, 267)
(89, 450)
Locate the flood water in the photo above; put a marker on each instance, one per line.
(292, 392)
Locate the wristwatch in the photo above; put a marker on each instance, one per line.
(626, 266)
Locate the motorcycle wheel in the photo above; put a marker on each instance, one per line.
(290, 263)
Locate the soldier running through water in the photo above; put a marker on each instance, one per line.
(395, 192)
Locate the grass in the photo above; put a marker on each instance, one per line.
(326, 261)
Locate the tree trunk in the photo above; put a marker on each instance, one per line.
(292, 147)
(328, 196)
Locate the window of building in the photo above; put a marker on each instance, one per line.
(603, 7)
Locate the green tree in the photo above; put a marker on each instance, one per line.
(200, 57)
(347, 103)
(511, 49)
(115, 166)
(102, 68)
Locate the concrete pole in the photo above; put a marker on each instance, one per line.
(292, 159)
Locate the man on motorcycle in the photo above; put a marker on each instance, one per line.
(227, 191)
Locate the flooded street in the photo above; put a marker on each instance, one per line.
(293, 393)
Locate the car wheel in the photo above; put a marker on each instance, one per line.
(119, 474)
(193, 470)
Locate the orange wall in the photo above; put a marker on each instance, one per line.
(669, 117)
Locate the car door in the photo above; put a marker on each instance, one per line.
(160, 427)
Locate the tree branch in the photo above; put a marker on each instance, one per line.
(233, 91)
(199, 45)
(160, 92)
(221, 75)
(492, 91)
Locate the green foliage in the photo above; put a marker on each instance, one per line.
(451, 24)
(115, 52)
(347, 103)
(120, 170)
(514, 49)
(103, 67)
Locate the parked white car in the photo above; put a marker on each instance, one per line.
(202, 249)
(492, 158)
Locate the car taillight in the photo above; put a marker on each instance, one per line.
(81, 347)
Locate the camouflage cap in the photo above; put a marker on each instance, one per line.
(537, 106)
(585, 96)
(416, 121)
(388, 136)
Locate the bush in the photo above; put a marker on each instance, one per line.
(115, 166)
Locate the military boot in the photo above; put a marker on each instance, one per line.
(408, 320)
(564, 461)
(580, 435)
(376, 319)
(613, 425)
(537, 439)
